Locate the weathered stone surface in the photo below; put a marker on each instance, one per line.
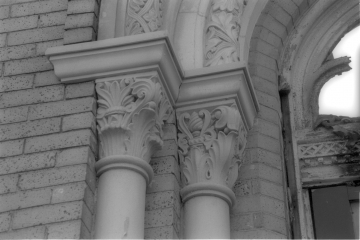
(267, 221)
(16, 24)
(169, 149)
(83, 6)
(165, 165)
(268, 188)
(64, 230)
(164, 199)
(78, 121)
(17, 52)
(11, 115)
(35, 35)
(5, 219)
(81, 20)
(73, 156)
(80, 90)
(79, 35)
(260, 170)
(52, 19)
(38, 7)
(161, 217)
(18, 82)
(11, 148)
(261, 204)
(164, 182)
(167, 232)
(46, 78)
(241, 222)
(27, 66)
(8, 183)
(42, 46)
(4, 12)
(27, 233)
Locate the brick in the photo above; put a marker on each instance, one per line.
(169, 149)
(64, 230)
(262, 60)
(79, 35)
(69, 192)
(11, 115)
(81, 20)
(51, 177)
(38, 7)
(268, 101)
(73, 156)
(160, 217)
(27, 66)
(24, 199)
(289, 7)
(259, 45)
(11, 148)
(47, 214)
(8, 183)
(29, 129)
(164, 182)
(257, 234)
(4, 12)
(9, 2)
(241, 222)
(169, 132)
(80, 90)
(79, 121)
(41, 47)
(257, 155)
(275, 26)
(18, 82)
(36, 35)
(266, 128)
(243, 188)
(263, 220)
(264, 142)
(62, 108)
(2, 39)
(302, 5)
(269, 114)
(46, 78)
(280, 14)
(52, 19)
(263, 72)
(265, 86)
(254, 171)
(166, 199)
(31, 96)
(259, 203)
(268, 189)
(83, 6)
(267, 36)
(167, 232)
(61, 140)
(5, 219)
(165, 165)
(16, 24)
(28, 233)
(27, 162)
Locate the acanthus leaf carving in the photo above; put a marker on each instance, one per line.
(143, 16)
(222, 32)
(131, 113)
(210, 144)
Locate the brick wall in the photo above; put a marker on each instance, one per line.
(47, 129)
(261, 210)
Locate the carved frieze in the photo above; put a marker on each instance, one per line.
(222, 32)
(330, 148)
(143, 16)
(130, 116)
(210, 145)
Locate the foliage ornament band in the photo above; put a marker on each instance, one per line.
(130, 116)
(211, 144)
(143, 16)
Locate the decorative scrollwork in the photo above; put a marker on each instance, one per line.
(222, 32)
(143, 16)
(210, 145)
(130, 116)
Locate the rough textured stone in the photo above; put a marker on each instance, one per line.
(52, 19)
(11, 148)
(81, 20)
(259, 203)
(29, 129)
(27, 66)
(262, 156)
(4, 12)
(30, 96)
(38, 7)
(268, 188)
(47, 214)
(169, 149)
(164, 182)
(265, 86)
(78, 121)
(69, 192)
(5, 219)
(46, 78)
(24, 199)
(264, 142)
(64, 230)
(160, 200)
(62, 108)
(51, 177)
(2, 39)
(160, 217)
(257, 234)
(18, 82)
(11, 115)
(241, 222)
(74, 156)
(80, 90)
(9, 2)
(260, 170)
(41, 48)
(36, 35)
(8, 183)
(276, 224)
(165, 165)
(167, 232)
(269, 114)
(16, 24)
(27, 162)
(17, 52)
(83, 6)
(266, 128)
(27, 233)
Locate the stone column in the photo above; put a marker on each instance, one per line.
(131, 111)
(210, 147)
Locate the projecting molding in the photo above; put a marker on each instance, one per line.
(153, 52)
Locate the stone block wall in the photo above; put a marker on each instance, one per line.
(48, 140)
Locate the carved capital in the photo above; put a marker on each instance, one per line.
(130, 116)
(143, 16)
(222, 32)
(211, 144)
